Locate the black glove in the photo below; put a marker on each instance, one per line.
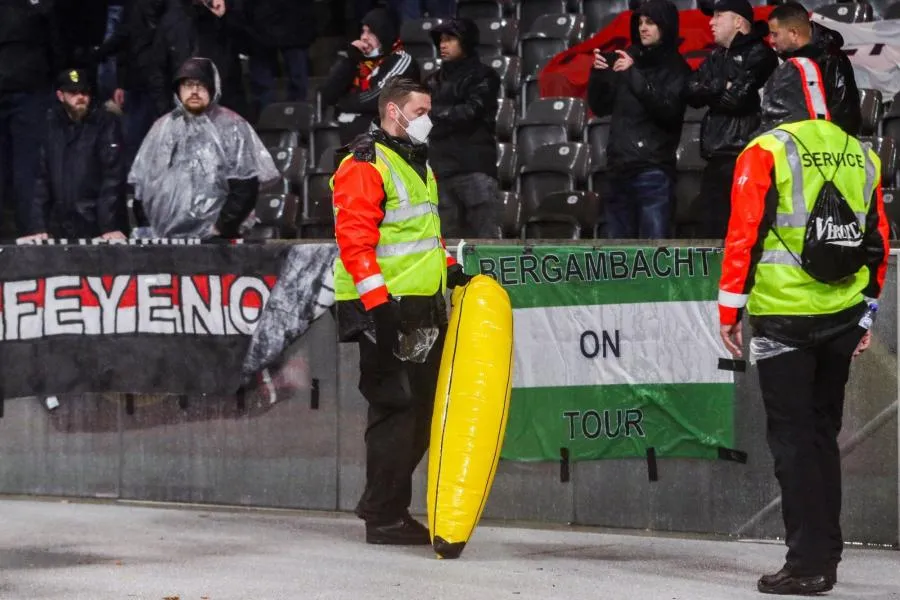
(456, 277)
(387, 325)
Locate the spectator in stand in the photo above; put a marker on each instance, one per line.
(728, 82)
(795, 36)
(642, 88)
(106, 75)
(207, 28)
(141, 89)
(83, 27)
(31, 52)
(198, 172)
(463, 146)
(80, 189)
(355, 82)
(284, 28)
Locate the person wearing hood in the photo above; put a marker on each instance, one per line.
(643, 89)
(390, 278)
(462, 147)
(198, 172)
(80, 189)
(728, 82)
(805, 255)
(357, 78)
(794, 35)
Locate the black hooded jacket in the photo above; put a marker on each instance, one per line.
(841, 92)
(646, 101)
(80, 188)
(463, 108)
(734, 110)
(281, 23)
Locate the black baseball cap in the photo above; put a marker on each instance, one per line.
(740, 7)
(73, 80)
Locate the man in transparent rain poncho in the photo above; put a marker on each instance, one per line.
(198, 171)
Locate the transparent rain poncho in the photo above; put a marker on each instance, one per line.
(182, 169)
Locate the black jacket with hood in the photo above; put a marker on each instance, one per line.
(646, 101)
(734, 111)
(80, 188)
(841, 92)
(355, 81)
(463, 108)
(281, 23)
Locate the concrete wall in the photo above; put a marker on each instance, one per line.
(289, 454)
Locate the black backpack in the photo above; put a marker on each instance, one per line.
(832, 243)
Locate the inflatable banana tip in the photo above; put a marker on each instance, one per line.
(445, 549)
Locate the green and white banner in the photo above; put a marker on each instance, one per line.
(616, 351)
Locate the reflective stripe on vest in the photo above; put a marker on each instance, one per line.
(406, 248)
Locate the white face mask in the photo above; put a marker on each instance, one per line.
(373, 53)
(417, 129)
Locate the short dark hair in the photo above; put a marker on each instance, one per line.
(397, 90)
(791, 14)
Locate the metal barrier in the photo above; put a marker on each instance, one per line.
(306, 451)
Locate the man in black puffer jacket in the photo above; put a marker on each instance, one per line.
(80, 189)
(643, 89)
(463, 145)
(795, 36)
(728, 82)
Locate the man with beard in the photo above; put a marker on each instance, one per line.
(642, 88)
(793, 35)
(80, 189)
(198, 171)
(728, 82)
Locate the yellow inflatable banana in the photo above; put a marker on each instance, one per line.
(470, 411)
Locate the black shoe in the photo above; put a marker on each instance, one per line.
(405, 531)
(784, 582)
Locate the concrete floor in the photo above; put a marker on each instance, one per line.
(51, 549)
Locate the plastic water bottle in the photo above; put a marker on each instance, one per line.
(868, 317)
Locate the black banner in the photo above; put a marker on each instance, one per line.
(191, 319)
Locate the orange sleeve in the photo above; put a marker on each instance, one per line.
(358, 211)
(749, 191)
(876, 244)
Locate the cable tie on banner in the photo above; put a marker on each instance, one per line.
(733, 364)
(652, 471)
(183, 401)
(564, 474)
(129, 404)
(240, 397)
(732, 454)
(527, 249)
(314, 394)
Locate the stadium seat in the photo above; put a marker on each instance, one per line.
(886, 148)
(531, 10)
(565, 215)
(285, 124)
(552, 168)
(597, 136)
(509, 68)
(506, 120)
(892, 209)
(428, 67)
(324, 135)
(872, 108)
(276, 214)
(497, 36)
(416, 37)
(548, 36)
(549, 121)
(479, 9)
(317, 218)
(507, 165)
(529, 91)
(512, 214)
(598, 14)
(848, 12)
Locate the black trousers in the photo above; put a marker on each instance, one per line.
(469, 206)
(715, 196)
(401, 400)
(803, 391)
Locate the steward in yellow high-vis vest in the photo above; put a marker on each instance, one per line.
(390, 278)
(805, 330)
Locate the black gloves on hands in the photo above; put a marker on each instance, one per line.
(456, 277)
(387, 325)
